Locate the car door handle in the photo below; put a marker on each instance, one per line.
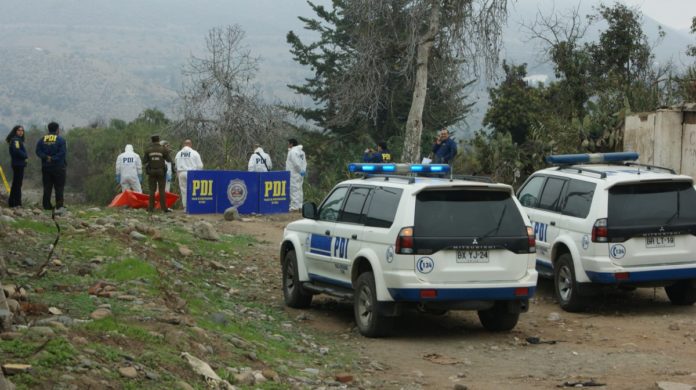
(552, 223)
(354, 236)
(328, 232)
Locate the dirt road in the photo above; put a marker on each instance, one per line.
(628, 340)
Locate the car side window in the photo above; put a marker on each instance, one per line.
(382, 207)
(353, 209)
(578, 198)
(529, 194)
(332, 204)
(551, 194)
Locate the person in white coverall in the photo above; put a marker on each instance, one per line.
(129, 170)
(186, 160)
(169, 177)
(297, 165)
(260, 161)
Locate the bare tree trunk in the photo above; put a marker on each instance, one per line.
(414, 124)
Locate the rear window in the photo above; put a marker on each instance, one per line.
(661, 204)
(467, 213)
(383, 204)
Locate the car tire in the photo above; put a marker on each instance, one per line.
(366, 308)
(565, 284)
(293, 293)
(682, 293)
(498, 318)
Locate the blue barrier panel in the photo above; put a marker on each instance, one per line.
(274, 192)
(201, 191)
(239, 189)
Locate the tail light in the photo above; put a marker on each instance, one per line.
(404, 241)
(600, 233)
(531, 239)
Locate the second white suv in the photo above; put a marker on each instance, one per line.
(393, 242)
(612, 223)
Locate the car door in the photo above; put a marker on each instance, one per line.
(540, 197)
(319, 241)
(347, 234)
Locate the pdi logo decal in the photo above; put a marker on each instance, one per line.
(236, 192)
(425, 265)
(617, 251)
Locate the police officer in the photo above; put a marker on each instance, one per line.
(154, 160)
(129, 170)
(169, 176)
(52, 151)
(19, 161)
(382, 155)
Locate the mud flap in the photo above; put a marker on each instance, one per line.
(518, 306)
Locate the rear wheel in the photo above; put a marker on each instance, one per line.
(294, 294)
(682, 293)
(366, 308)
(565, 285)
(498, 318)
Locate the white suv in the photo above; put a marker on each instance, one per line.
(392, 242)
(612, 223)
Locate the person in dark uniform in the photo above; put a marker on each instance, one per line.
(52, 151)
(156, 156)
(381, 155)
(19, 160)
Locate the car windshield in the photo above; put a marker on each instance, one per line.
(467, 213)
(653, 204)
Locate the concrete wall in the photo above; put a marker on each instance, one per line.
(665, 138)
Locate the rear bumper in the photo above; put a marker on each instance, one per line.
(642, 275)
(490, 291)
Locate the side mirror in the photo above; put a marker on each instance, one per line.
(309, 210)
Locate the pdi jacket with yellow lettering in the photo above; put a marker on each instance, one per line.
(17, 152)
(52, 150)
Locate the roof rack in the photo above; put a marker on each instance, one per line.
(649, 167)
(409, 179)
(602, 175)
(483, 179)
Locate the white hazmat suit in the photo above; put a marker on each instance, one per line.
(129, 170)
(297, 165)
(260, 161)
(186, 160)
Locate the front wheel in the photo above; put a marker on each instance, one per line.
(294, 294)
(498, 318)
(565, 285)
(682, 293)
(366, 308)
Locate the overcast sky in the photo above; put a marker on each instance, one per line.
(673, 13)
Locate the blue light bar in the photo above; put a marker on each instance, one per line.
(398, 168)
(592, 158)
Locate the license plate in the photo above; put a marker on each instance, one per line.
(472, 256)
(659, 242)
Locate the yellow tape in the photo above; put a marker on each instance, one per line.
(4, 181)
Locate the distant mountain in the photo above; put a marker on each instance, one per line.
(75, 61)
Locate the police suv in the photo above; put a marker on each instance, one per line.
(389, 242)
(602, 219)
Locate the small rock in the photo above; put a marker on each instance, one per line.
(673, 386)
(128, 372)
(553, 316)
(137, 235)
(10, 335)
(311, 371)
(216, 265)
(55, 311)
(100, 314)
(185, 251)
(13, 305)
(231, 214)
(271, 375)
(460, 386)
(344, 378)
(205, 231)
(673, 326)
(43, 331)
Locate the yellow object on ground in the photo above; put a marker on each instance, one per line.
(4, 181)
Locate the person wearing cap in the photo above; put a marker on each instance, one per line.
(52, 150)
(169, 177)
(154, 160)
(186, 160)
(381, 155)
(129, 170)
(260, 161)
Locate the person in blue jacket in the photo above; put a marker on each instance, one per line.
(444, 148)
(381, 155)
(52, 151)
(19, 160)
